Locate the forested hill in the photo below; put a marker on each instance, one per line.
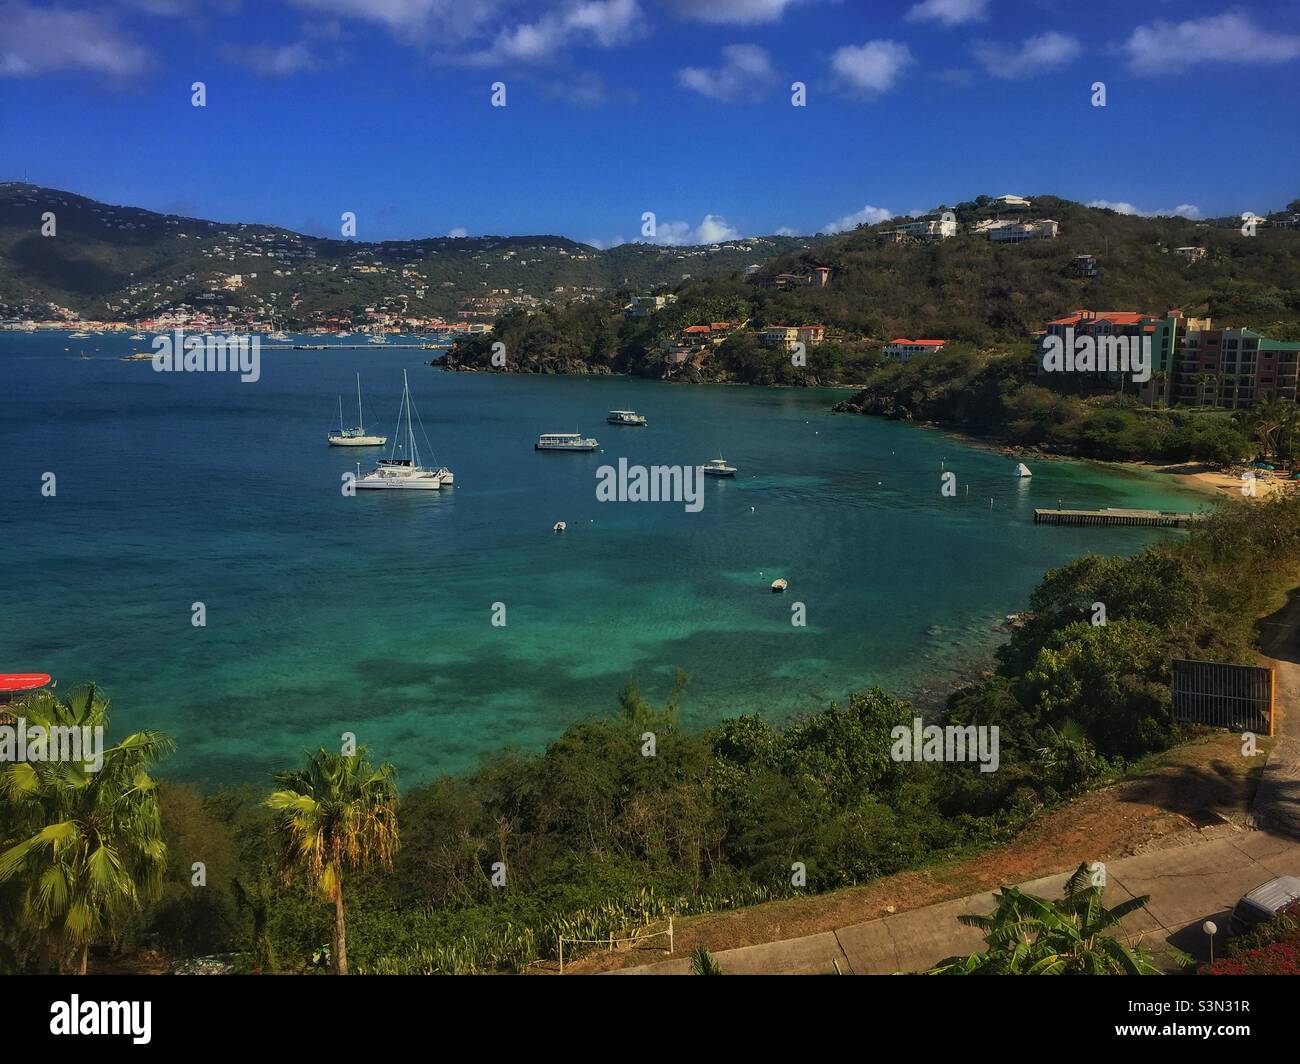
(961, 289)
(124, 263)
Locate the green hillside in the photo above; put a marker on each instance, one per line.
(963, 289)
(124, 263)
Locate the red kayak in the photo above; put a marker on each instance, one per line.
(11, 682)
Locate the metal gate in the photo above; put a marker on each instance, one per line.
(1238, 697)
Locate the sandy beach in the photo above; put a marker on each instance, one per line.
(1206, 478)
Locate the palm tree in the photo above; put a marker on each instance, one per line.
(1206, 382)
(1026, 935)
(338, 813)
(702, 962)
(83, 844)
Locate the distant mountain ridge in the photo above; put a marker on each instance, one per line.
(127, 263)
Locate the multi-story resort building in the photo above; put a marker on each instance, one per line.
(1234, 368)
(1192, 362)
(929, 228)
(787, 337)
(1007, 231)
(903, 350)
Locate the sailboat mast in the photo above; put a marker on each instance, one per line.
(361, 421)
(410, 429)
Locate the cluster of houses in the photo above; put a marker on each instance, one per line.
(941, 225)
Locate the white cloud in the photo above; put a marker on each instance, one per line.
(1036, 55)
(415, 20)
(746, 74)
(785, 230)
(871, 68)
(606, 23)
(459, 233)
(712, 229)
(869, 215)
(40, 41)
(949, 12)
(736, 12)
(1183, 210)
(1163, 47)
(276, 61)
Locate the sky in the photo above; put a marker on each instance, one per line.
(685, 109)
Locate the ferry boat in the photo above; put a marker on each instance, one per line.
(354, 437)
(564, 441)
(626, 417)
(405, 472)
(717, 467)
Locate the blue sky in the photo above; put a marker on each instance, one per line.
(618, 107)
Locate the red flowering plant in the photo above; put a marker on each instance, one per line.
(1272, 948)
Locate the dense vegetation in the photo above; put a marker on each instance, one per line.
(593, 837)
(998, 395)
(963, 289)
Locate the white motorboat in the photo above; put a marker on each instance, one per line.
(626, 417)
(564, 441)
(780, 584)
(401, 470)
(354, 437)
(717, 467)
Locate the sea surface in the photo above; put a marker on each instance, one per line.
(373, 614)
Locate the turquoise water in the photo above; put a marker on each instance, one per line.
(372, 614)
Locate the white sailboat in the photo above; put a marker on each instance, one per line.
(354, 437)
(1023, 470)
(401, 470)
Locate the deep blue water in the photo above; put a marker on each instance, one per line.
(372, 614)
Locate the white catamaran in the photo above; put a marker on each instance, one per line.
(401, 470)
(354, 437)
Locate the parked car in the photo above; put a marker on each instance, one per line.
(1263, 903)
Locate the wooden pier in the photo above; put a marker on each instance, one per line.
(1149, 518)
(355, 347)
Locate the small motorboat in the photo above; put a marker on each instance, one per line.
(717, 467)
(780, 584)
(559, 526)
(13, 685)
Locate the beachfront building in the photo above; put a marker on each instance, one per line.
(787, 337)
(930, 228)
(1234, 368)
(904, 350)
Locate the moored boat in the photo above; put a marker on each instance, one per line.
(401, 470)
(717, 467)
(626, 417)
(356, 437)
(565, 441)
